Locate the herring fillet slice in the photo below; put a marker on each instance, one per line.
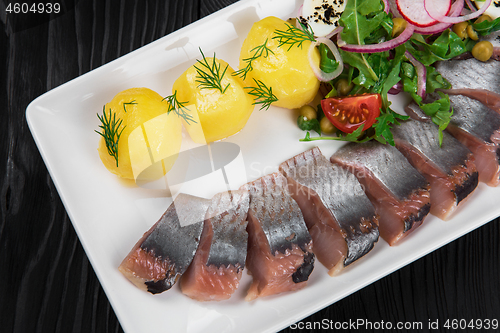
(340, 218)
(399, 193)
(474, 79)
(216, 269)
(478, 128)
(449, 168)
(280, 256)
(165, 251)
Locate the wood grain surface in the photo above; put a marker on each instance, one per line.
(46, 281)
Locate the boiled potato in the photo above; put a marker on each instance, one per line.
(217, 113)
(286, 71)
(149, 134)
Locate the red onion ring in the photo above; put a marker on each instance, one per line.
(396, 89)
(447, 19)
(386, 6)
(421, 74)
(471, 6)
(334, 32)
(373, 48)
(320, 74)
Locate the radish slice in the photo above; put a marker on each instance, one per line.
(430, 7)
(321, 75)
(456, 9)
(413, 11)
(421, 74)
(373, 48)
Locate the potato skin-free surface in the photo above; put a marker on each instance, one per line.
(220, 114)
(142, 111)
(286, 71)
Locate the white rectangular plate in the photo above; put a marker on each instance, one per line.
(110, 215)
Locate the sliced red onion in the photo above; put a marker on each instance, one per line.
(381, 47)
(396, 89)
(337, 30)
(421, 74)
(320, 74)
(386, 6)
(471, 6)
(429, 8)
(393, 8)
(455, 10)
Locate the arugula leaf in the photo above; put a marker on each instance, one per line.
(351, 137)
(486, 27)
(358, 60)
(362, 22)
(384, 124)
(308, 125)
(439, 110)
(327, 63)
(393, 76)
(360, 19)
(446, 46)
(435, 81)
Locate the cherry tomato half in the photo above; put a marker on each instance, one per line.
(349, 112)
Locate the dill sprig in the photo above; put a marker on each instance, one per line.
(294, 36)
(129, 103)
(178, 107)
(262, 94)
(209, 75)
(258, 51)
(110, 132)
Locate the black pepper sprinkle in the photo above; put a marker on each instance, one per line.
(326, 13)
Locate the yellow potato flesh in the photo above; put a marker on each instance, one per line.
(286, 71)
(218, 115)
(151, 136)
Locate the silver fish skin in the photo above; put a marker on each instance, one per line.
(280, 249)
(424, 138)
(386, 164)
(474, 79)
(341, 194)
(474, 118)
(450, 167)
(228, 215)
(478, 128)
(399, 193)
(167, 249)
(279, 215)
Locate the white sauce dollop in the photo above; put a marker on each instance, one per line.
(493, 10)
(322, 15)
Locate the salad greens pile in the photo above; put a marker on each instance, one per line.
(365, 22)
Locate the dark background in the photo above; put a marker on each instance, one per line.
(46, 281)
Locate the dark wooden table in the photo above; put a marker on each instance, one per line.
(46, 282)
